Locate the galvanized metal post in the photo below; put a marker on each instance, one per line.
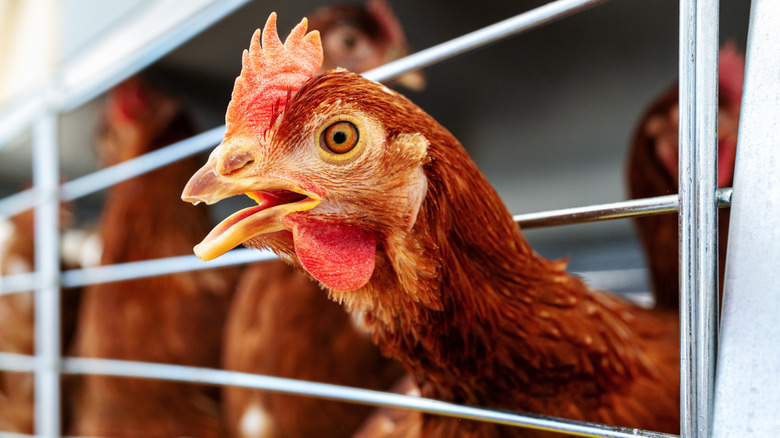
(747, 401)
(47, 292)
(698, 220)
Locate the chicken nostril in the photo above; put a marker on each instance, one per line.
(235, 163)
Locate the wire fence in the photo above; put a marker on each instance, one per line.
(697, 118)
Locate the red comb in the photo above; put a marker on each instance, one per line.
(731, 73)
(270, 74)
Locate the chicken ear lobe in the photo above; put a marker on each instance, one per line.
(341, 257)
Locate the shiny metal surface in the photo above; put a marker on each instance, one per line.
(747, 401)
(47, 266)
(333, 392)
(487, 35)
(698, 216)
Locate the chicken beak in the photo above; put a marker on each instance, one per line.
(275, 198)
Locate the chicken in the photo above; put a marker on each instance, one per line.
(17, 318)
(174, 319)
(280, 323)
(653, 171)
(361, 37)
(17, 314)
(366, 193)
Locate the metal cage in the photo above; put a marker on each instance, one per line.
(703, 414)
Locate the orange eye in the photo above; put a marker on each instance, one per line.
(340, 137)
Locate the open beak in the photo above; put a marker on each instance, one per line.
(275, 199)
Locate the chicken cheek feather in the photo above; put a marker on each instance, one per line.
(340, 256)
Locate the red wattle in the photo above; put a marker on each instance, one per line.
(341, 257)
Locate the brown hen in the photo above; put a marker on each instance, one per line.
(176, 319)
(17, 319)
(370, 196)
(653, 171)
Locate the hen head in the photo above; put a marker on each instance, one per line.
(661, 124)
(333, 162)
(360, 37)
(135, 115)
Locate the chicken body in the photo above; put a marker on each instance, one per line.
(282, 324)
(17, 314)
(175, 319)
(370, 196)
(17, 320)
(653, 171)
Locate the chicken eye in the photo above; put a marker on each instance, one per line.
(340, 137)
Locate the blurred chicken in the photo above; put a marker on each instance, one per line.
(175, 319)
(280, 323)
(17, 318)
(362, 37)
(17, 314)
(371, 197)
(653, 171)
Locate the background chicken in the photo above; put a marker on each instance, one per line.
(371, 197)
(359, 37)
(17, 318)
(280, 323)
(170, 319)
(653, 171)
(17, 313)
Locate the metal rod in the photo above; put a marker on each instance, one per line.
(333, 392)
(16, 283)
(47, 294)
(504, 29)
(614, 210)
(125, 170)
(171, 265)
(155, 267)
(20, 363)
(93, 73)
(104, 178)
(17, 203)
(747, 401)
(19, 115)
(698, 219)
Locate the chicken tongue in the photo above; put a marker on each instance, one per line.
(238, 228)
(341, 257)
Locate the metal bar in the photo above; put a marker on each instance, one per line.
(20, 363)
(698, 218)
(91, 76)
(16, 283)
(333, 392)
(504, 29)
(125, 170)
(747, 401)
(14, 435)
(155, 267)
(104, 178)
(171, 265)
(47, 294)
(611, 211)
(19, 115)
(17, 203)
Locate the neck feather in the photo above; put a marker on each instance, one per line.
(470, 310)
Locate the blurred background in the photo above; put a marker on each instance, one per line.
(547, 115)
